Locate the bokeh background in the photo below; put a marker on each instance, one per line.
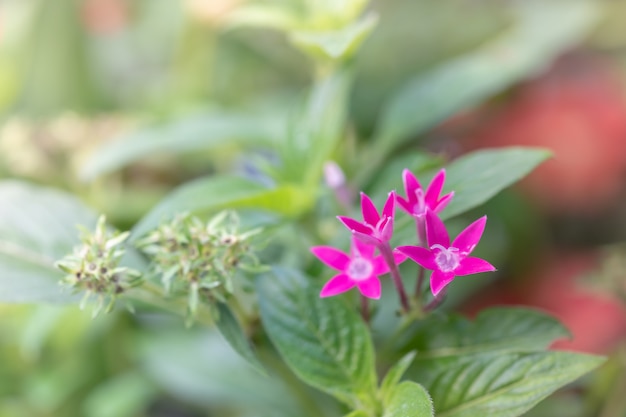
(76, 75)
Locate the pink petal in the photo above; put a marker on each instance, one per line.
(370, 213)
(410, 183)
(404, 204)
(399, 257)
(440, 280)
(355, 226)
(362, 249)
(420, 255)
(467, 240)
(386, 229)
(443, 203)
(436, 232)
(366, 239)
(380, 266)
(331, 256)
(337, 284)
(390, 204)
(434, 189)
(473, 265)
(370, 288)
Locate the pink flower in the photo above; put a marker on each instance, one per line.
(417, 201)
(359, 269)
(375, 229)
(445, 260)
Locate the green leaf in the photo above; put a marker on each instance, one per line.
(322, 340)
(392, 378)
(408, 399)
(340, 44)
(191, 133)
(37, 228)
(494, 330)
(471, 78)
(480, 175)
(229, 327)
(209, 194)
(357, 413)
(477, 177)
(126, 395)
(316, 131)
(500, 384)
(198, 367)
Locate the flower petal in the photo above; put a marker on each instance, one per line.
(410, 183)
(386, 229)
(380, 266)
(443, 202)
(370, 288)
(337, 284)
(467, 240)
(436, 232)
(434, 189)
(370, 213)
(420, 255)
(404, 204)
(390, 205)
(473, 265)
(355, 226)
(331, 256)
(399, 257)
(362, 249)
(440, 280)
(367, 239)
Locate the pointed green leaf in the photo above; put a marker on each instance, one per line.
(392, 378)
(37, 228)
(190, 133)
(317, 130)
(229, 327)
(408, 399)
(207, 195)
(198, 367)
(469, 79)
(480, 175)
(494, 330)
(322, 340)
(503, 385)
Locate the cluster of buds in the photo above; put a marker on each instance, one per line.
(94, 267)
(200, 259)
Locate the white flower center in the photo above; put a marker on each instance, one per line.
(360, 269)
(447, 259)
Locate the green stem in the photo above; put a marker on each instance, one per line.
(420, 283)
(365, 310)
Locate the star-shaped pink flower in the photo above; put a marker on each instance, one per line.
(445, 260)
(358, 269)
(417, 201)
(375, 229)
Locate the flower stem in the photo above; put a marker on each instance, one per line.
(435, 302)
(365, 309)
(420, 282)
(385, 250)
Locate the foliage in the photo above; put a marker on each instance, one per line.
(248, 193)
